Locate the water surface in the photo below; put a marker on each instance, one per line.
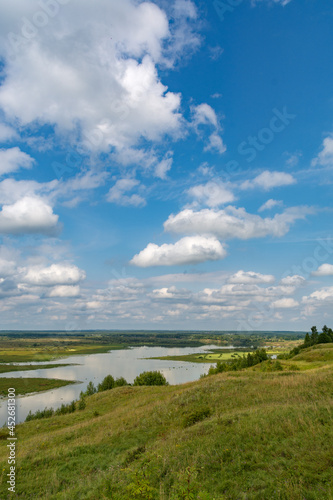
(127, 363)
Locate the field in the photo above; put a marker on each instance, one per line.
(21, 368)
(49, 351)
(250, 435)
(279, 347)
(27, 385)
(46, 346)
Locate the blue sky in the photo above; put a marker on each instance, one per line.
(166, 165)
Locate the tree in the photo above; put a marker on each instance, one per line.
(91, 389)
(324, 338)
(307, 340)
(314, 335)
(150, 378)
(119, 382)
(106, 384)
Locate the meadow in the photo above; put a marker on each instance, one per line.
(250, 434)
(28, 385)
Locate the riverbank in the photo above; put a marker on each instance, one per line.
(248, 434)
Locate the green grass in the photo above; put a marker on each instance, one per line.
(237, 435)
(28, 385)
(211, 357)
(49, 353)
(21, 368)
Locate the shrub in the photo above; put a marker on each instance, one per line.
(106, 384)
(150, 378)
(91, 389)
(119, 382)
(82, 402)
(196, 416)
(47, 412)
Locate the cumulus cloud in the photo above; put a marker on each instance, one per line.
(268, 180)
(203, 114)
(65, 291)
(13, 159)
(215, 144)
(325, 157)
(269, 204)
(162, 168)
(233, 222)
(106, 86)
(320, 295)
(117, 194)
(250, 277)
(28, 215)
(211, 194)
(188, 250)
(285, 303)
(7, 133)
(324, 270)
(7, 267)
(56, 274)
(295, 281)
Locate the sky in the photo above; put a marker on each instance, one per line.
(166, 165)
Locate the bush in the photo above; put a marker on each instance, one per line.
(82, 404)
(106, 384)
(271, 366)
(119, 382)
(91, 389)
(47, 412)
(150, 378)
(196, 416)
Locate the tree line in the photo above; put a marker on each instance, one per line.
(325, 337)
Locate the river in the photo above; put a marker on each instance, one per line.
(127, 363)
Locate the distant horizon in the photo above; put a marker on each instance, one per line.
(156, 330)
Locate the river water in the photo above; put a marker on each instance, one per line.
(127, 363)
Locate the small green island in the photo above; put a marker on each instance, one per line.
(28, 385)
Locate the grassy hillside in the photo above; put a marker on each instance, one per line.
(250, 435)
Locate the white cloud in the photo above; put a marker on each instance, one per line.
(65, 291)
(268, 180)
(185, 8)
(211, 194)
(162, 168)
(325, 157)
(320, 295)
(295, 281)
(324, 270)
(170, 293)
(215, 144)
(56, 274)
(28, 215)
(280, 2)
(285, 303)
(105, 84)
(117, 194)
(7, 267)
(234, 222)
(13, 159)
(203, 114)
(250, 277)
(7, 133)
(293, 158)
(188, 250)
(269, 204)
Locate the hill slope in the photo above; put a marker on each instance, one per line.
(237, 435)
